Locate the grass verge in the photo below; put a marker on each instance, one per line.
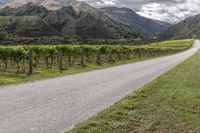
(169, 104)
(11, 78)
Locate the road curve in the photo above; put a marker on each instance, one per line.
(56, 105)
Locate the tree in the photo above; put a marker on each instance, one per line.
(3, 33)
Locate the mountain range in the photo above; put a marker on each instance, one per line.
(188, 28)
(71, 17)
(77, 18)
(145, 26)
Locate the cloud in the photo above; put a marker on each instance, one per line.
(171, 12)
(166, 10)
(100, 3)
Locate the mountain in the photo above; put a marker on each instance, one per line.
(49, 4)
(58, 4)
(25, 10)
(19, 3)
(75, 15)
(71, 17)
(145, 26)
(187, 28)
(26, 21)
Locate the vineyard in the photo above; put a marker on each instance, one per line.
(24, 59)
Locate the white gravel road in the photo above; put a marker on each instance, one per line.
(56, 105)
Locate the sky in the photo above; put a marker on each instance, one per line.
(171, 11)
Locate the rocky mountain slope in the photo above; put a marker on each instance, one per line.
(49, 4)
(145, 26)
(187, 28)
(25, 10)
(18, 3)
(58, 4)
(39, 18)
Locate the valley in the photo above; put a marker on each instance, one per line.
(34, 20)
(184, 29)
(99, 66)
(37, 22)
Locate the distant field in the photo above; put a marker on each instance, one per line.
(172, 43)
(47, 61)
(170, 104)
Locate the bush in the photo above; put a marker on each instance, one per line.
(3, 35)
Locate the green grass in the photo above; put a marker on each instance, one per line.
(11, 78)
(172, 44)
(170, 104)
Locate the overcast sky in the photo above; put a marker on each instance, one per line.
(167, 10)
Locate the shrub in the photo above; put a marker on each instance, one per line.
(3, 35)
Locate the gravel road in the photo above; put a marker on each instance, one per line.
(56, 105)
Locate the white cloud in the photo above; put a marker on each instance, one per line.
(166, 10)
(170, 13)
(110, 2)
(100, 3)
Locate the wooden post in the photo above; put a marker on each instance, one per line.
(52, 61)
(119, 56)
(82, 58)
(98, 58)
(69, 60)
(110, 57)
(128, 56)
(60, 58)
(30, 68)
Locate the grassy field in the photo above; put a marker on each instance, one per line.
(171, 44)
(170, 104)
(42, 73)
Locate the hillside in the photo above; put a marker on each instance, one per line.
(58, 4)
(25, 10)
(49, 4)
(74, 18)
(108, 22)
(187, 28)
(145, 26)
